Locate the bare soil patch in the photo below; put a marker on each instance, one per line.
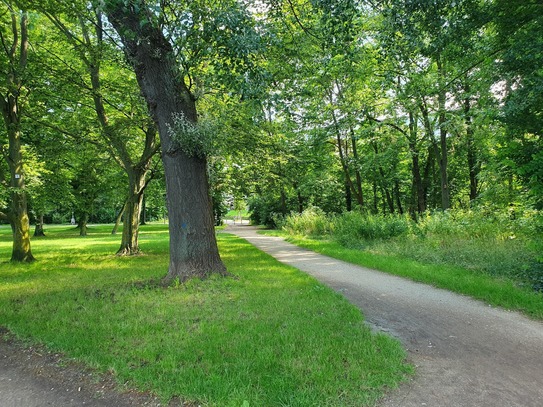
(32, 376)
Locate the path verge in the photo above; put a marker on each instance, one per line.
(466, 353)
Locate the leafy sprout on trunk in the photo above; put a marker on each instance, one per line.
(194, 139)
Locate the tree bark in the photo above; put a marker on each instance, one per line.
(82, 224)
(348, 197)
(38, 231)
(193, 245)
(132, 212)
(9, 104)
(398, 197)
(143, 211)
(343, 152)
(118, 220)
(472, 151)
(444, 156)
(418, 187)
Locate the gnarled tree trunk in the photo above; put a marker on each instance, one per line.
(193, 245)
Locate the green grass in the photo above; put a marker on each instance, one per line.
(496, 291)
(235, 215)
(272, 336)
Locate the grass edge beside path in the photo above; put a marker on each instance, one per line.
(493, 291)
(271, 336)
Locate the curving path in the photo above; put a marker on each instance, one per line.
(467, 354)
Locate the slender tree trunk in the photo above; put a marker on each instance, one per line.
(472, 152)
(389, 199)
(434, 155)
(300, 202)
(348, 197)
(118, 219)
(38, 231)
(375, 198)
(283, 199)
(358, 176)
(132, 213)
(418, 187)
(444, 157)
(117, 145)
(343, 152)
(398, 197)
(131, 220)
(143, 216)
(193, 245)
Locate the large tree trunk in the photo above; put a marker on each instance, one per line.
(82, 224)
(9, 103)
(193, 245)
(20, 225)
(18, 214)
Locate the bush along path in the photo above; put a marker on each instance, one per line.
(466, 353)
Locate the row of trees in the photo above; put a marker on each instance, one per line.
(403, 107)
(389, 106)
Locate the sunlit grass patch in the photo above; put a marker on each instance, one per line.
(270, 336)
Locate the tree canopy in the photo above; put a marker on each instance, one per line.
(381, 107)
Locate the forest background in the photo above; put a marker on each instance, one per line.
(417, 109)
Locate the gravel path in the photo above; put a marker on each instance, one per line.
(467, 354)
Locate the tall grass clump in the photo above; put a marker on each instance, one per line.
(356, 229)
(501, 243)
(311, 222)
(498, 243)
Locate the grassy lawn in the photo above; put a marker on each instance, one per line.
(237, 215)
(273, 336)
(494, 290)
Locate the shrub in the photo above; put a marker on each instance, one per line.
(353, 228)
(264, 210)
(311, 222)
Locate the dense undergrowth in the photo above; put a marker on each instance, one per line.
(502, 244)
